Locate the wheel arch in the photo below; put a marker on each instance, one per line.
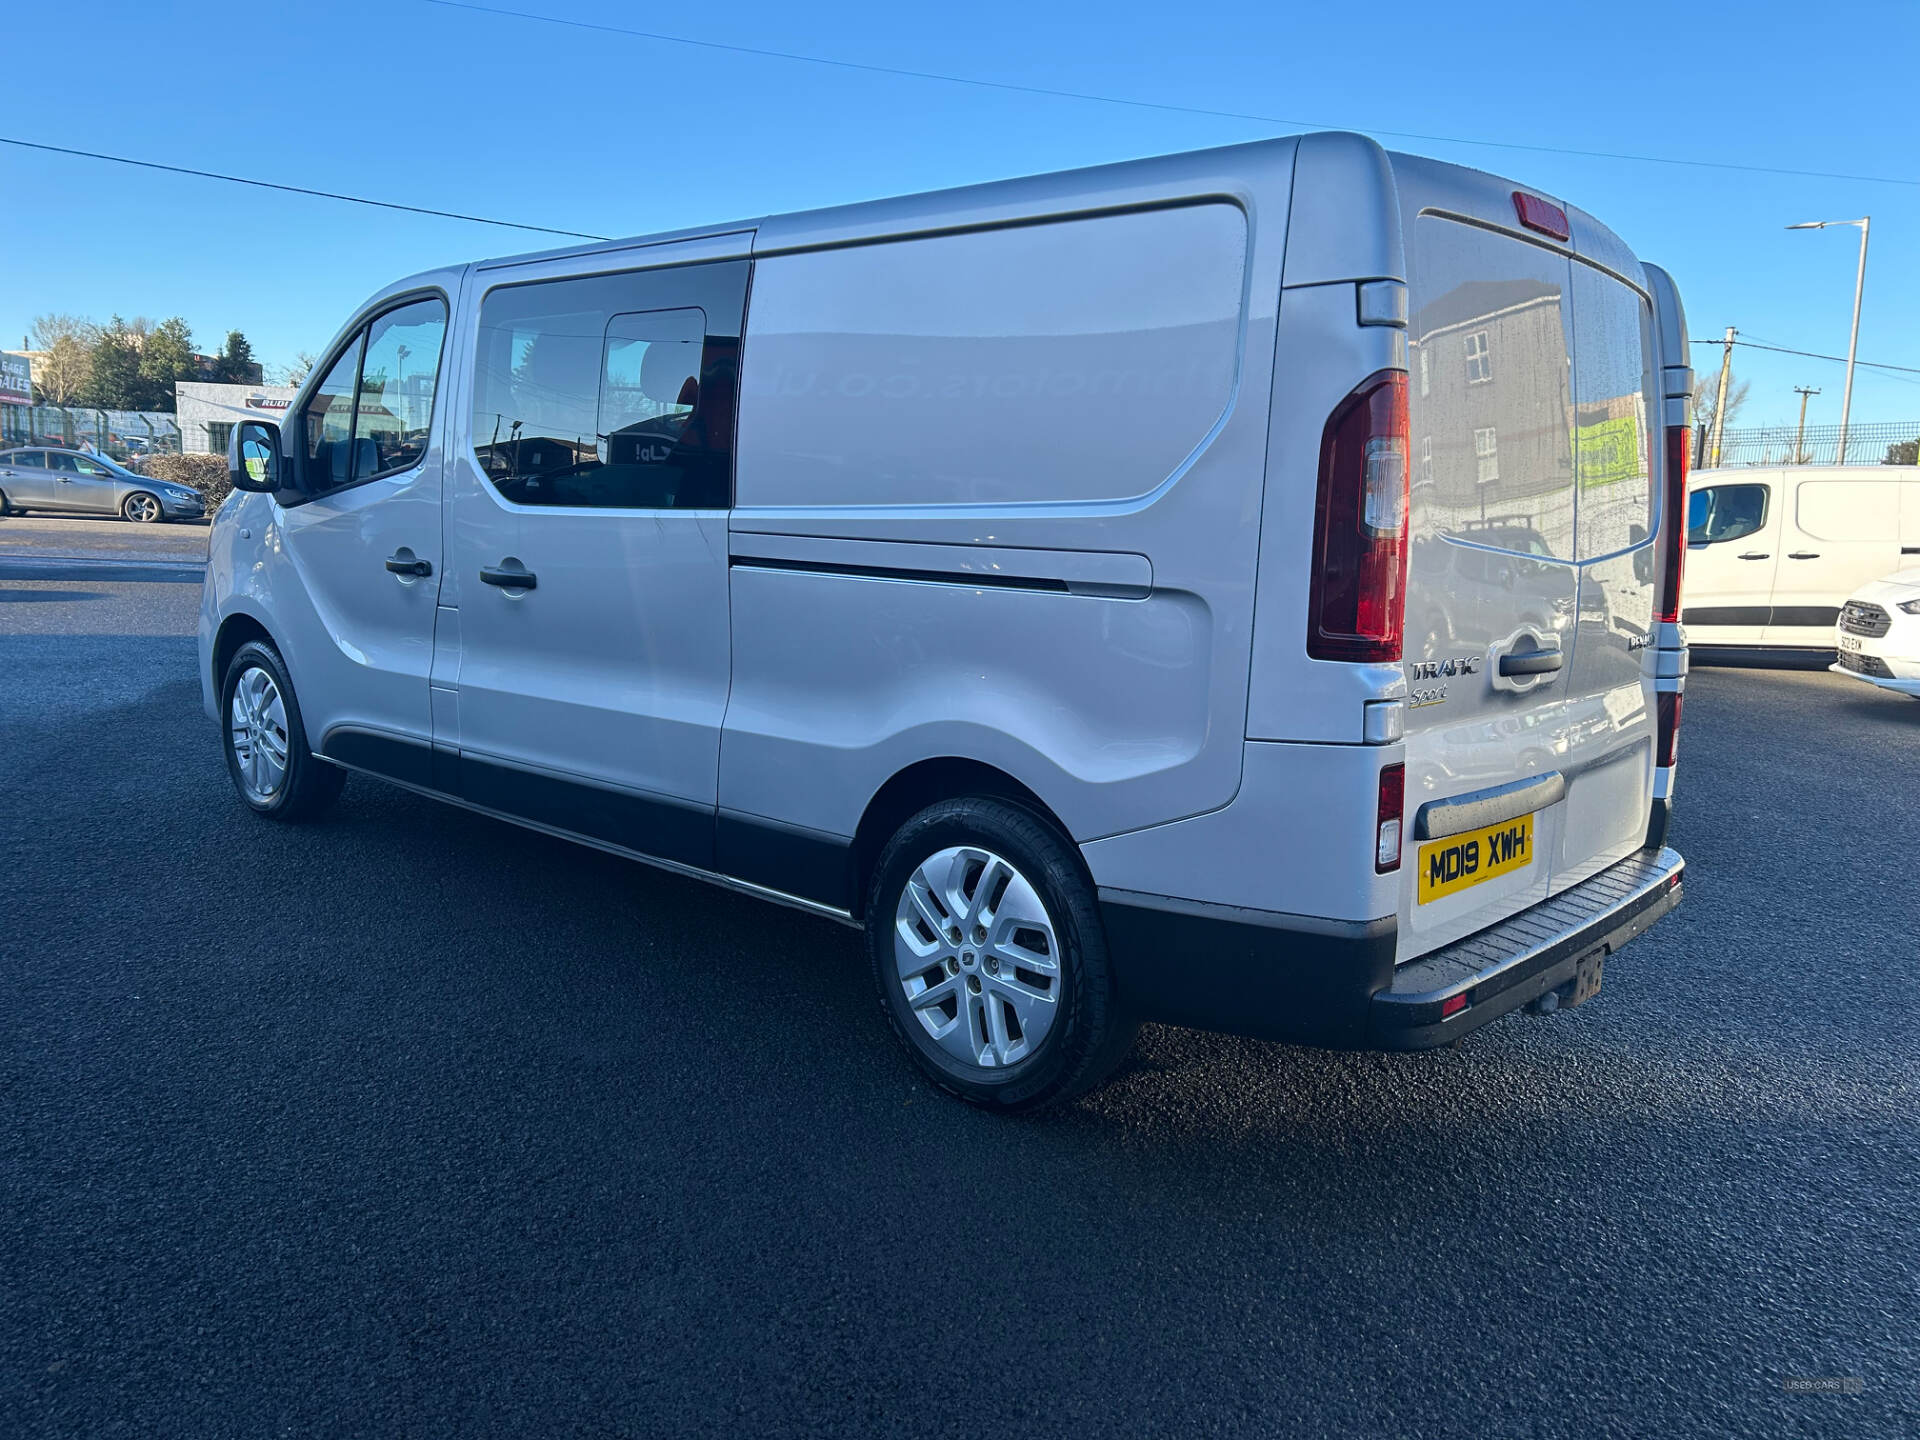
(236, 630)
(928, 782)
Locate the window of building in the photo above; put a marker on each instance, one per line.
(611, 391)
(219, 432)
(1486, 455)
(1426, 372)
(1479, 362)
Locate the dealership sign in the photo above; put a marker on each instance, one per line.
(261, 402)
(16, 380)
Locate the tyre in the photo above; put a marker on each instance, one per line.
(990, 957)
(6, 506)
(267, 755)
(141, 508)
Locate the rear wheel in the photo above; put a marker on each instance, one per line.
(990, 958)
(267, 755)
(141, 508)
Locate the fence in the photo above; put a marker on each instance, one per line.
(121, 434)
(1877, 444)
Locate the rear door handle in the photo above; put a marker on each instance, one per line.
(1756, 555)
(404, 562)
(1533, 662)
(1804, 555)
(509, 574)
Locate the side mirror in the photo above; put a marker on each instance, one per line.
(253, 456)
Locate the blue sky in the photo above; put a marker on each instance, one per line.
(415, 102)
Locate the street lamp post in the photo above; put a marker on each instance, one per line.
(1853, 344)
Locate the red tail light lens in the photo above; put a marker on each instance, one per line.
(1357, 607)
(1667, 726)
(1393, 800)
(1675, 519)
(1541, 215)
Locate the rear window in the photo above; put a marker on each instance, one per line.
(1612, 369)
(1074, 361)
(1491, 390)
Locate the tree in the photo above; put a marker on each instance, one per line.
(65, 368)
(166, 357)
(235, 365)
(302, 366)
(113, 378)
(1903, 452)
(1706, 394)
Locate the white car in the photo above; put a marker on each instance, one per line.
(1878, 637)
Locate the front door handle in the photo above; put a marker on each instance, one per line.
(1803, 555)
(1533, 662)
(509, 574)
(404, 562)
(1756, 555)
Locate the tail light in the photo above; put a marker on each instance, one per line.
(1675, 517)
(1393, 800)
(1357, 607)
(1666, 715)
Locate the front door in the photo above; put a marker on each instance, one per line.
(587, 554)
(1733, 546)
(359, 544)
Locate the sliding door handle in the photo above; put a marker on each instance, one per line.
(1756, 555)
(509, 574)
(404, 562)
(1804, 555)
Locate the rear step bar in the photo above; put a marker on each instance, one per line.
(1558, 943)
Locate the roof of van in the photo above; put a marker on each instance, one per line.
(1469, 190)
(1906, 473)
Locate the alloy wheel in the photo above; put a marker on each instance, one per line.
(257, 730)
(978, 957)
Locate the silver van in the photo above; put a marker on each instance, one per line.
(1235, 589)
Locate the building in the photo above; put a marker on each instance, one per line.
(207, 412)
(16, 379)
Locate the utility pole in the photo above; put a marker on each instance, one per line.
(1800, 435)
(1853, 344)
(1720, 402)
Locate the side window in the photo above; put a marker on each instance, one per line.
(327, 423)
(28, 459)
(1726, 512)
(1613, 364)
(89, 467)
(397, 381)
(611, 391)
(57, 460)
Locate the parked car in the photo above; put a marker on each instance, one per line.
(1878, 637)
(1020, 575)
(1774, 553)
(75, 482)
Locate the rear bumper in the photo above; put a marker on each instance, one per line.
(1333, 984)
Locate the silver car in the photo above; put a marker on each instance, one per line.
(74, 482)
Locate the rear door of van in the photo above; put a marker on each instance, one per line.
(1532, 567)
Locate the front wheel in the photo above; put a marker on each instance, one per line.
(267, 755)
(141, 508)
(990, 957)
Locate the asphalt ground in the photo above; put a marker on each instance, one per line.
(414, 1123)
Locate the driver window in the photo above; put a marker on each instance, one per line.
(328, 423)
(1725, 512)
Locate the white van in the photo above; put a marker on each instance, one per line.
(1020, 574)
(1774, 553)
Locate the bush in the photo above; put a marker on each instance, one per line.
(205, 473)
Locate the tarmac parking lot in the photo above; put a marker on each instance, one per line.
(413, 1122)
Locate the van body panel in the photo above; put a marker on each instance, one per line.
(1123, 709)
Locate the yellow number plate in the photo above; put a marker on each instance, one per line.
(1451, 865)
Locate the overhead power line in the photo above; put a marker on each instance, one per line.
(1811, 355)
(295, 189)
(1161, 105)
